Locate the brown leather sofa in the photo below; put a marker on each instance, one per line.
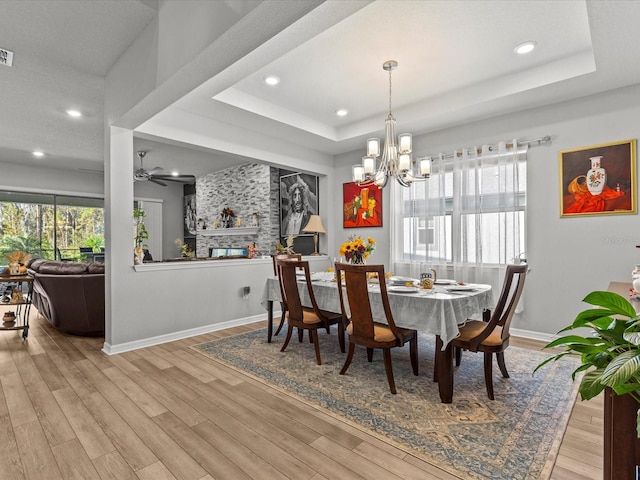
(70, 295)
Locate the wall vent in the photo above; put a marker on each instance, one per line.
(6, 57)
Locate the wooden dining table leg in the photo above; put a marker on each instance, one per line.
(444, 364)
(269, 320)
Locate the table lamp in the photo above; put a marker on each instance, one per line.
(315, 226)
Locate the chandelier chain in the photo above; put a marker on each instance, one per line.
(390, 92)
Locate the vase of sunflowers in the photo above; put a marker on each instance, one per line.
(356, 251)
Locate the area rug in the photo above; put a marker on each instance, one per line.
(517, 436)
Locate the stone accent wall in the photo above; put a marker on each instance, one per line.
(245, 189)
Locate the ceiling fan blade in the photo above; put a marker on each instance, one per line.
(155, 170)
(177, 178)
(151, 179)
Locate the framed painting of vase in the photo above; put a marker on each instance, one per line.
(598, 179)
(362, 205)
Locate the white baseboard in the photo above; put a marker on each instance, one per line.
(545, 337)
(171, 337)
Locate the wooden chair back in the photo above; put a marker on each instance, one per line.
(291, 294)
(284, 256)
(503, 313)
(357, 293)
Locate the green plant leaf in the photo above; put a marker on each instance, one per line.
(627, 388)
(601, 359)
(622, 368)
(614, 302)
(551, 359)
(603, 323)
(632, 337)
(587, 317)
(591, 384)
(570, 341)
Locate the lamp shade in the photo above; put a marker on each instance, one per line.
(314, 225)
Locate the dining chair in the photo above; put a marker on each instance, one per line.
(86, 253)
(305, 318)
(491, 335)
(283, 305)
(361, 328)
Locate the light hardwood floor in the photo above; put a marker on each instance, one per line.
(69, 411)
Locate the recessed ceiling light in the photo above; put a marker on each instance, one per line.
(342, 112)
(174, 173)
(271, 80)
(38, 153)
(74, 113)
(525, 47)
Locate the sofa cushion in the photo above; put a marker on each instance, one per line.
(61, 268)
(34, 263)
(95, 267)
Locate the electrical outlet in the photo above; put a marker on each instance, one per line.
(245, 292)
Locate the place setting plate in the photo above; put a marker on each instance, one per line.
(401, 280)
(461, 288)
(403, 289)
(322, 276)
(445, 281)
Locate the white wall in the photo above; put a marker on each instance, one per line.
(568, 257)
(172, 215)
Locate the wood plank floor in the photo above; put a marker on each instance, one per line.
(67, 411)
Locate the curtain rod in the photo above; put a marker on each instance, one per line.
(458, 153)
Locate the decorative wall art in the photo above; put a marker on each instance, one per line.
(298, 201)
(190, 222)
(599, 179)
(362, 206)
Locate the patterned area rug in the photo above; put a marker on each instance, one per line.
(514, 437)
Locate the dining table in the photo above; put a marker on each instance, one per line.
(440, 311)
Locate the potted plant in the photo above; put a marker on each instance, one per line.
(141, 234)
(610, 360)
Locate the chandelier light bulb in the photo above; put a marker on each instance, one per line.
(369, 165)
(373, 147)
(425, 166)
(404, 142)
(358, 173)
(404, 162)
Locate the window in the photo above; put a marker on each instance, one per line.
(470, 212)
(50, 226)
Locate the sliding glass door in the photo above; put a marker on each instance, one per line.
(50, 226)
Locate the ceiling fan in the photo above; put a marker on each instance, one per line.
(155, 176)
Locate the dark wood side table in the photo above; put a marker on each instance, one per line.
(621, 445)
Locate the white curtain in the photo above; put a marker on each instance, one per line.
(467, 221)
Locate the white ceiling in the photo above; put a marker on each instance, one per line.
(456, 65)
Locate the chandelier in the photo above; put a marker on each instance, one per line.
(396, 159)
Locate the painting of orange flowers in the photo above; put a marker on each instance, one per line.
(362, 205)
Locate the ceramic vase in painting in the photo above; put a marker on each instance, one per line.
(596, 177)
